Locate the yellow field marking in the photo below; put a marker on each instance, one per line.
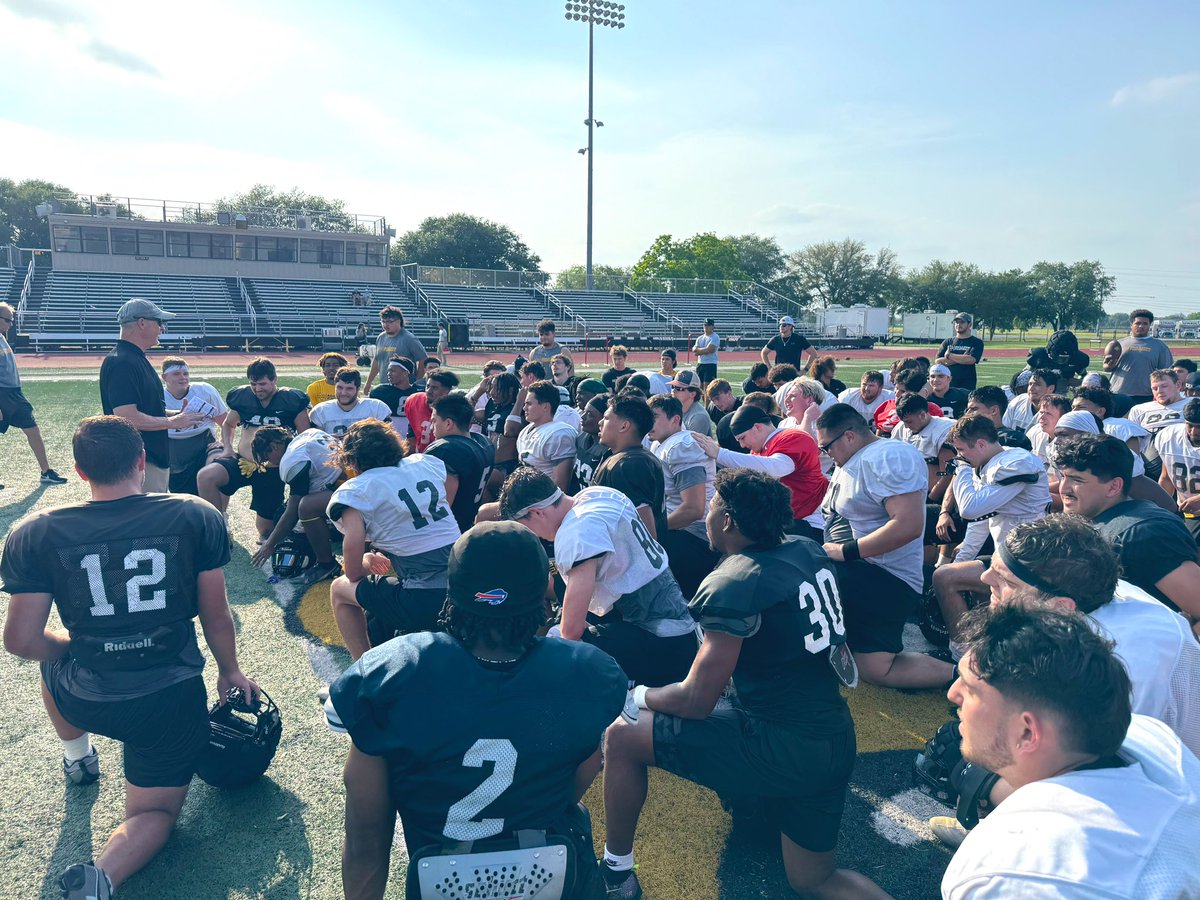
(316, 615)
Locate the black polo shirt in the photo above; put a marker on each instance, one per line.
(126, 377)
(1152, 542)
(790, 351)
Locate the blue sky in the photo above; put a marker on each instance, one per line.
(999, 134)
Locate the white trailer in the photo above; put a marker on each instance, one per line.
(929, 325)
(854, 321)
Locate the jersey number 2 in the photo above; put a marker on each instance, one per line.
(435, 509)
(133, 588)
(460, 820)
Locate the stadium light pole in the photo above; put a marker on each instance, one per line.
(608, 15)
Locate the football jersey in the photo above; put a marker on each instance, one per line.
(122, 574)
(305, 467)
(420, 421)
(499, 744)
(784, 604)
(1124, 429)
(1181, 460)
(568, 415)
(542, 447)
(853, 397)
(1010, 488)
(320, 391)
(283, 407)
(198, 392)
(588, 454)
(685, 465)
(394, 398)
(469, 458)
(1019, 414)
(1126, 831)
(633, 576)
(494, 417)
(333, 419)
(857, 490)
(1154, 417)
(929, 440)
(886, 419)
(1161, 655)
(403, 507)
(636, 473)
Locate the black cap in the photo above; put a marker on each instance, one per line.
(1191, 411)
(710, 321)
(1193, 380)
(746, 417)
(498, 570)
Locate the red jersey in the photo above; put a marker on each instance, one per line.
(886, 418)
(420, 421)
(806, 482)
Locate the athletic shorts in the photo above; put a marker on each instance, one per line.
(644, 657)
(1193, 525)
(932, 512)
(18, 412)
(188, 456)
(706, 372)
(876, 605)
(798, 781)
(393, 609)
(266, 488)
(690, 558)
(164, 734)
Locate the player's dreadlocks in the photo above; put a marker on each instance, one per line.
(516, 633)
(266, 438)
(760, 506)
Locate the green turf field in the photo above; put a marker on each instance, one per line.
(281, 837)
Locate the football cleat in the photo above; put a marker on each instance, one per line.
(622, 885)
(85, 770)
(317, 572)
(948, 830)
(84, 882)
(52, 477)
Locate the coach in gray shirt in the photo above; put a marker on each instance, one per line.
(1132, 359)
(395, 340)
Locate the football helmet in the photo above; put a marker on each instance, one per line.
(934, 766)
(242, 741)
(292, 555)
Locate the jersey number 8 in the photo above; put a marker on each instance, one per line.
(1184, 485)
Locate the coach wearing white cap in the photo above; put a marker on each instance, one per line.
(131, 389)
(788, 346)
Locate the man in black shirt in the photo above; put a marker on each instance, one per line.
(787, 346)
(630, 468)
(1158, 553)
(759, 379)
(589, 452)
(619, 354)
(131, 389)
(128, 573)
(962, 353)
(399, 387)
(787, 743)
(952, 400)
(468, 457)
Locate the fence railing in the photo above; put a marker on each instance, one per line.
(24, 301)
(249, 305)
(430, 307)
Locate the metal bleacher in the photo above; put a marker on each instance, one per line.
(732, 318)
(614, 313)
(493, 312)
(303, 308)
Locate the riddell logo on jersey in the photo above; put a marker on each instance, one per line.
(118, 646)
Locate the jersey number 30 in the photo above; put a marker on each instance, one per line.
(460, 820)
(824, 608)
(133, 588)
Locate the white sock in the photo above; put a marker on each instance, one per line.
(77, 748)
(618, 863)
(957, 650)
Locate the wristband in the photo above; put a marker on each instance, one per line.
(639, 696)
(513, 419)
(850, 551)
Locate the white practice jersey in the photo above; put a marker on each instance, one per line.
(1019, 414)
(1181, 460)
(312, 448)
(1009, 489)
(200, 395)
(1087, 834)
(1162, 657)
(332, 419)
(929, 440)
(569, 415)
(542, 447)
(403, 507)
(857, 491)
(1124, 429)
(685, 464)
(633, 566)
(1041, 444)
(1154, 417)
(853, 397)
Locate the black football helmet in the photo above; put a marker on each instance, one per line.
(292, 555)
(240, 747)
(933, 767)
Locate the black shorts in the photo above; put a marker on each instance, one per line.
(266, 488)
(690, 558)
(932, 512)
(1193, 525)
(644, 657)
(799, 781)
(876, 605)
(164, 734)
(18, 412)
(393, 609)
(706, 372)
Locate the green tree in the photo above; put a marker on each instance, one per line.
(671, 265)
(1001, 301)
(939, 286)
(466, 242)
(19, 221)
(604, 278)
(843, 273)
(276, 208)
(759, 257)
(1070, 295)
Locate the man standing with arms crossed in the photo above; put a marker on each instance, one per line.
(706, 348)
(15, 410)
(962, 353)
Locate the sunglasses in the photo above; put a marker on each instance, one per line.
(6, 319)
(679, 390)
(824, 448)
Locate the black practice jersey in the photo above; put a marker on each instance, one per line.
(953, 404)
(784, 603)
(493, 419)
(123, 577)
(1152, 543)
(589, 453)
(470, 457)
(394, 397)
(638, 474)
(1011, 437)
(498, 744)
(283, 407)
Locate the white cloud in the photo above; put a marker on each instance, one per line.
(1156, 90)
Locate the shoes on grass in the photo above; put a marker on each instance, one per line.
(52, 477)
(319, 572)
(84, 882)
(621, 885)
(84, 770)
(948, 830)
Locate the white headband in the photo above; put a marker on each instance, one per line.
(540, 504)
(175, 367)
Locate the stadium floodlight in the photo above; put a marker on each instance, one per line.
(608, 15)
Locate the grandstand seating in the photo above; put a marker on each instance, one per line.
(7, 277)
(613, 313)
(297, 308)
(732, 318)
(493, 312)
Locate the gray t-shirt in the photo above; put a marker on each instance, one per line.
(402, 343)
(545, 354)
(707, 346)
(1139, 357)
(697, 419)
(8, 366)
